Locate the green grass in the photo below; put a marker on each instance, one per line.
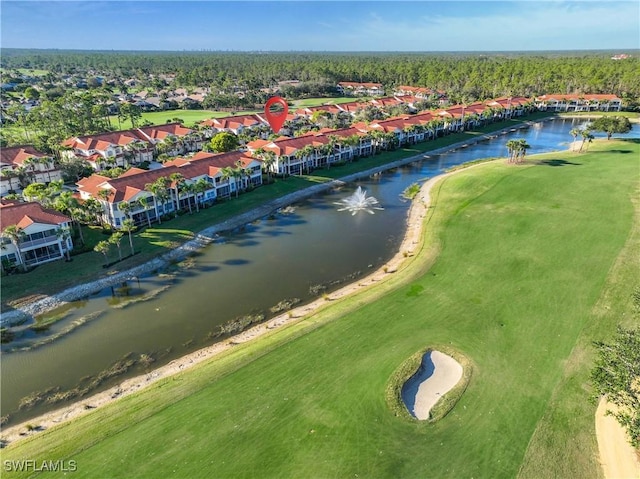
(517, 271)
(309, 102)
(160, 238)
(633, 116)
(27, 71)
(189, 117)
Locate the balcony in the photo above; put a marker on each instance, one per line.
(45, 258)
(38, 242)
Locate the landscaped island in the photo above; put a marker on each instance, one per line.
(523, 297)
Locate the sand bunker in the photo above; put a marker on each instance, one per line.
(617, 456)
(437, 375)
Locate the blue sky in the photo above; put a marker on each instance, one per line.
(321, 25)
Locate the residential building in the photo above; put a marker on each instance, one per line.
(25, 165)
(291, 157)
(134, 185)
(134, 146)
(118, 148)
(42, 236)
(360, 89)
(579, 102)
(233, 124)
(173, 138)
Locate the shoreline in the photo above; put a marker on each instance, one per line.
(27, 311)
(406, 253)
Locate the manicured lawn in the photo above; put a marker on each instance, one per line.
(154, 241)
(28, 71)
(517, 270)
(189, 117)
(327, 101)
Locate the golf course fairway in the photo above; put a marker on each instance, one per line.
(521, 268)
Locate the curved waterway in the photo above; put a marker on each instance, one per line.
(295, 254)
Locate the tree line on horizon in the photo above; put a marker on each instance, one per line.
(470, 76)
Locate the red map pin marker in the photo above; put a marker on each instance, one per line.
(276, 119)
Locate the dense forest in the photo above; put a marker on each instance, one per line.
(475, 76)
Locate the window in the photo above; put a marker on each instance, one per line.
(9, 258)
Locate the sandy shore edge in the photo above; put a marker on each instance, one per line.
(413, 233)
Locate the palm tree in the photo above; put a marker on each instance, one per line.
(104, 195)
(25, 176)
(199, 187)
(128, 226)
(377, 137)
(236, 174)
(352, 142)
(79, 215)
(411, 130)
(586, 136)
(191, 140)
(522, 147)
(144, 203)
(15, 235)
(333, 142)
(125, 207)
(9, 174)
(103, 247)
(227, 173)
(390, 140)
(64, 234)
(435, 125)
(30, 164)
(116, 239)
(190, 191)
(512, 148)
(268, 160)
(178, 181)
(325, 150)
(168, 145)
(574, 133)
(244, 174)
(159, 190)
(305, 152)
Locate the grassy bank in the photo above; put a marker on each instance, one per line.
(517, 271)
(151, 242)
(632, 115)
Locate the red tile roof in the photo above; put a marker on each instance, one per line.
(234, 122)
(352, 106)
(132, 171)
(386, 101)
(125, 187)
(415, 90)
(289, 146)
(104, 140)
(25, 214)
(16, 155)
(160, 132)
